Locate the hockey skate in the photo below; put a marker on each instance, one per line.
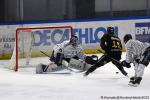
(132, 79)
(135, 82)
(131, 82)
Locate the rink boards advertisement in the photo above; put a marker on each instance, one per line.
(88, 31)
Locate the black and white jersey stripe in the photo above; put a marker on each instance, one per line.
(134, 50)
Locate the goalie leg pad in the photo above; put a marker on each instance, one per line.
(39, 69)
(77, 64)
(87, 66)
(54, 68)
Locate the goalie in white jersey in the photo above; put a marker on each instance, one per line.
(137, 53)
(70, 52)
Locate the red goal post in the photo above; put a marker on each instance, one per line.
(26, 39)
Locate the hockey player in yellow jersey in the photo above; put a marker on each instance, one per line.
(112, 46)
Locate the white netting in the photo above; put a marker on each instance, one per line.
(25, 42)
(30, 41)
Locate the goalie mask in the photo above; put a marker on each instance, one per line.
(127, 37)
(74, 40)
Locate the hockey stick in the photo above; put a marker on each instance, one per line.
(119, 62)
(45, 69)
(48, 66)
(45, 54)
(114, 60)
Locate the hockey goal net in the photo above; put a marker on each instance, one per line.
(31, 41)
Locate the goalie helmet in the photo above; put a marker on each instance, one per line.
(127, 37)
(110, 30)
(74, 40)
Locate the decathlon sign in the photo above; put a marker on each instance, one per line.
(56, 36)
(50, 37)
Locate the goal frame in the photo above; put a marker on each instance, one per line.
(25, 29)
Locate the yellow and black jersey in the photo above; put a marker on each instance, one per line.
(111, 45)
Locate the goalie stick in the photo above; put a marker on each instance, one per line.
(45, 54)
(45, 69)
(64, 66)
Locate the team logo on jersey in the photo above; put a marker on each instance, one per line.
(142, 31)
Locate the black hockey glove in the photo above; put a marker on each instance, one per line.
(137, 61)
(76, 57)
(124, 63)
(91, 59)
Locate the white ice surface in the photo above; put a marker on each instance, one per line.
(26, 85)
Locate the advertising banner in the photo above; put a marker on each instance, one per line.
(89, 33)
(142, 32)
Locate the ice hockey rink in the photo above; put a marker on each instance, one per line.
(100, 85)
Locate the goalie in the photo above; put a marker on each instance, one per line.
(67, 55)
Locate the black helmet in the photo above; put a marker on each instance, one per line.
(127, 37)
(110, 30)
(74, 40)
